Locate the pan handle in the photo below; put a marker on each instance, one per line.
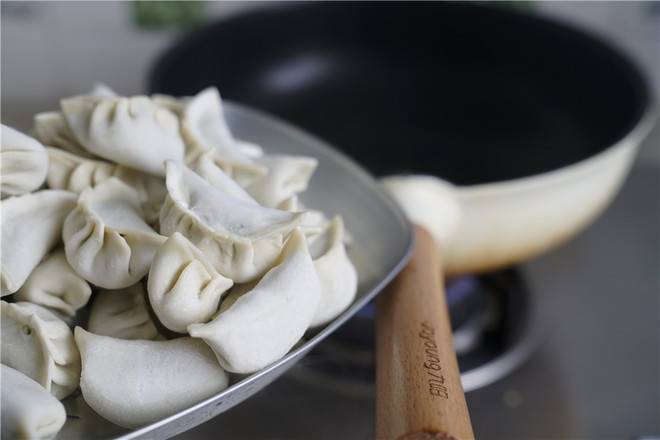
(418, 384)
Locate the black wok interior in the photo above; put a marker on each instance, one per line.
(471, 93)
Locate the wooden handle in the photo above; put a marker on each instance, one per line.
(418, 385)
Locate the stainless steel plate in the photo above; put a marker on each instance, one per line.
(382, 241)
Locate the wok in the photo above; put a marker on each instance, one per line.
(534, 124)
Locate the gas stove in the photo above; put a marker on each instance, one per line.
(567, 345)
(492, 327)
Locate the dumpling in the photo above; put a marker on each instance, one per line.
(287, 176)
(183, 286)
(75, 173)
(249, 149)
(28, 410)
(314, 222)
(31, 227)
(122, 314)
(133, 383)
(173, 104)
(213, 173)
(291, 204)
(208, 162)
(52, 130)
(55, 285)
(213, 108)
(40, 345)
(106, 239)
(134, 132)
(23, 163)
(336, 272)
(152, 192)
(209, 142)
(240, 238)
(204, 128)
(263, 324)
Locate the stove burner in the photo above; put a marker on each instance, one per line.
(491, 316)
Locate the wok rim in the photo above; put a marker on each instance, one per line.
(645, 110)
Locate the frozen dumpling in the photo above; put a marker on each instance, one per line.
(315, 221)
(184, 287)
(264, 323)
(133, 383)
(28, 410)
(218, 176)
(336, 272)
(31, 227)
(205, 130)
(134, 132)
(286, 177)
(55, 285)
(205, 127)
(106, 238)
(52, 130)
(23, 163)
(122, 314)
(40, 345)
(74, 173)
(240, 238)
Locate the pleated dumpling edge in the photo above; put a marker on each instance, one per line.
(106, 238)
(40, 345)
(258, 325)
(31, 227)
(132, 131)
(241, 238)
(23, 161)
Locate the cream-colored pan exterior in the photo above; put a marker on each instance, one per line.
(499, 224)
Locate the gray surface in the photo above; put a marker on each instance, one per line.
(604, 294)
(595, 375)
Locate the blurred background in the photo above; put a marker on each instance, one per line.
(43, 43)
(564, 346)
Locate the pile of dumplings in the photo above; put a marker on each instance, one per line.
(146, 253)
